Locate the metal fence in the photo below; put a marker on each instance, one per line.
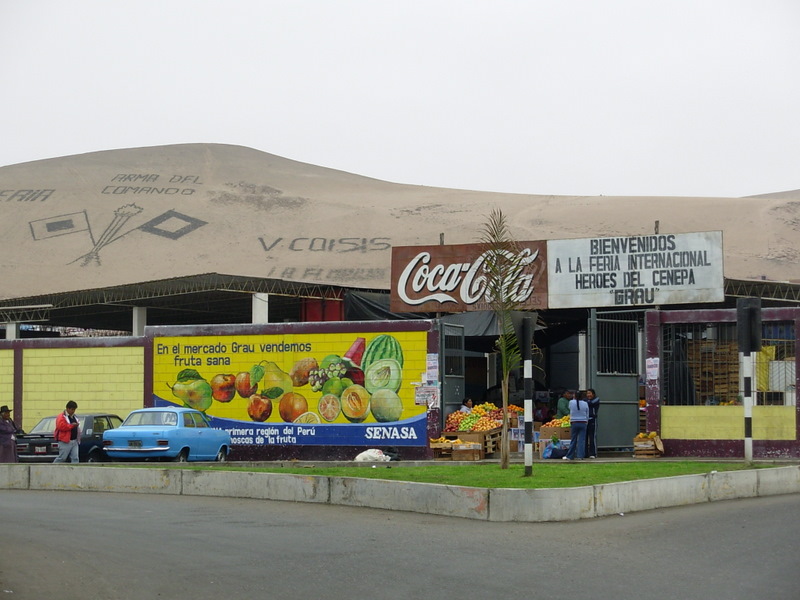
(618, 342)
(700, 364)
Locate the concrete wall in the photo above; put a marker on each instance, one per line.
(528, 505)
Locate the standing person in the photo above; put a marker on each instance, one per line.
(578, 418)
(8, 436)
(542, 413)
(466, 405)
(591, 426)
(562, 408)
(68, 434)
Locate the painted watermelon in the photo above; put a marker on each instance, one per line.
(382, 346)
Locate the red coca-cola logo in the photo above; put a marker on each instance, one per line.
(429, 277)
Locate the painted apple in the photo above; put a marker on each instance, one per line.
(259, 408)
(223, 387)
(243, 386)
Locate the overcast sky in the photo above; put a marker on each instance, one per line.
(613, 97)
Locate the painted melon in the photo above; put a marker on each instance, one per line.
(381, 347)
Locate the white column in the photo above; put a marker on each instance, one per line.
(583, 361)
(260, 308)
(139, 320)
(12, 331)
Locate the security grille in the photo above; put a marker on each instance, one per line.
(453, 350)
(618, 343)
(700, 364)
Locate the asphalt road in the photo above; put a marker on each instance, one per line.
(105, 546)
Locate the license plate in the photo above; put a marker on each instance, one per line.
(40, 450)
(134, 443)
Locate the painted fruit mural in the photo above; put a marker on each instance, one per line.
(359, 383)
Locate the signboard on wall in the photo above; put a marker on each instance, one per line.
(635, 270)
(453, 278)
(337, 389)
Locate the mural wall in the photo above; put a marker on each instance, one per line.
(343, 388)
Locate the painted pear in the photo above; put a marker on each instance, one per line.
(194, 391)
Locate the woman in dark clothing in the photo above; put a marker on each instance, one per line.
(591, 428)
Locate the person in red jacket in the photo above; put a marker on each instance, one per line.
(68, 434)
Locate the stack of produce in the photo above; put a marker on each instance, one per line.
(483, 417)
(562, 422)
(647, 436)
(468, 422)
(485, 424)
(517, 409)
(484, 409)
(444, 440)
(454, 420)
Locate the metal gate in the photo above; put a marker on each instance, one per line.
(452, 367)
(614, 362)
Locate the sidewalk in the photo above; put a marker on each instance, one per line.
(487, 504)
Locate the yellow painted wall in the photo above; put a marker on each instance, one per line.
(727, 422)
(774, 423)
(7, 379)
(99, 379)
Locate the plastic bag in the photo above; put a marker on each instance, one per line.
(548, 450)
(372, 455)
(553, 450)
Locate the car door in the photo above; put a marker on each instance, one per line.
(205, 441)
(187, 434)
(92, 436)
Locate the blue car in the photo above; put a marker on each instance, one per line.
(179, 434)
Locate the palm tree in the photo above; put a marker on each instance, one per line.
(504, 262)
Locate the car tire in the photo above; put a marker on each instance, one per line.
(222, 455)
(183, 456)
(94, 457)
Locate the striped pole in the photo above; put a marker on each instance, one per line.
(527, 373)
(746, 362)
(748, 332)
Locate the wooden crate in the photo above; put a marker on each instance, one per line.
(467, 452)
(563, 433)
(489, 441)
(647, 448)
(442, 451)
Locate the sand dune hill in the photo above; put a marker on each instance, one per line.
(123, 216)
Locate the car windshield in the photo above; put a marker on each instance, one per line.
(148, 418)
(46, 425)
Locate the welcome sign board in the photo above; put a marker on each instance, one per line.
(635, 270)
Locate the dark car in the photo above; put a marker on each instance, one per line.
(39, 445)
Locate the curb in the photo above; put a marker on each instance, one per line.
(500, 505)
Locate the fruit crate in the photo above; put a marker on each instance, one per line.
(563, 433)
(489, 441)
(442, 451)
(470, 451)
(647, 447)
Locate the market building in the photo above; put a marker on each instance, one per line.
(201, 241)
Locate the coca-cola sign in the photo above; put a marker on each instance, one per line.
(455, 278)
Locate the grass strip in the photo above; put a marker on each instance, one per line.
(559, 475)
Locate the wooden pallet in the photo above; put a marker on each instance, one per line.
(491, 443)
